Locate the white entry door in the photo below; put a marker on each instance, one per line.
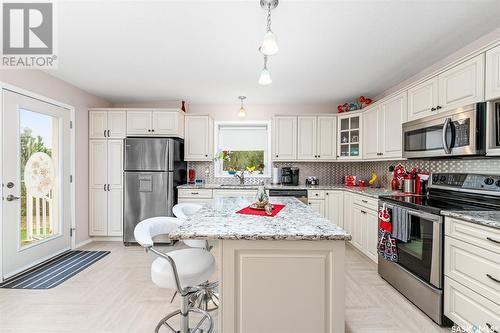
(36, 203)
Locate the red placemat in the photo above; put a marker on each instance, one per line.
(251, 211)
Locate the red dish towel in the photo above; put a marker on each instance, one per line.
(251, 211)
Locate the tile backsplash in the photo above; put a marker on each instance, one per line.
(333, 172)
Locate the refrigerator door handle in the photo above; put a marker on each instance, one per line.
(169, 155)
(170, 191)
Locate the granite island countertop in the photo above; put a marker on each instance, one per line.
(486, 218)
(296, 221)
(367, 191)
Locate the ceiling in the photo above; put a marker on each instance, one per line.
(206, 51)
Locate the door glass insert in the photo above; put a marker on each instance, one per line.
(39, 171)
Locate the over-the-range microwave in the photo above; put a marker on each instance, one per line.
(459, 132)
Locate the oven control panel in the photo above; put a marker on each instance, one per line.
(467, 181)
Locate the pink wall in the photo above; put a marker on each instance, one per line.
(46, 85)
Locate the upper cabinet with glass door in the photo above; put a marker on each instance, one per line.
(349, 136)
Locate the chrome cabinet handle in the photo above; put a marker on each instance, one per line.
(363, 212)
(447, 149)
(11, 197)
(108, 187)
(493, 240)
(109, 135)
(433, 109)
(104, 187)
(438, 107)
(194, 193)
(492, 278)
(364, 201)
(104, 133)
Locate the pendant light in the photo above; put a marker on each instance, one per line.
(269, 45)
(265, 76)
(242, 113)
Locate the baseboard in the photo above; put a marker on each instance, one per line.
(85, 242)
(107, 238)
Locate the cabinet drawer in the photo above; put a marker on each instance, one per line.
(195, 193)
(468, 309)
(316, 194)
(235, 193)
(485, 237)
(366, 202)
(474, 267)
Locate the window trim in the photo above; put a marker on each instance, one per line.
(218, 173)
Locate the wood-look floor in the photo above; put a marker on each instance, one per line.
(116, 295)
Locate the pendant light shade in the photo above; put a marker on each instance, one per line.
(265, 77)
(269, 45)
(242, 113)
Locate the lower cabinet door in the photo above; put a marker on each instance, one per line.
(334, 207)
(98, 202)
(371, 235)
(358, 226)
(115, 212)
(318, 206)
(469, 309)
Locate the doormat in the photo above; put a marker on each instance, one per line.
(54, 272)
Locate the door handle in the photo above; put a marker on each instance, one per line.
(10, 197)
(108, 187)
(109, 131)
(104, 133)
(491, 328)
(493, 240)
(492, 278)
(447, 149)
(104, 187)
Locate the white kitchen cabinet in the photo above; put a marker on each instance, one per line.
(326, 147)
(316, 138)
(423, 99)
(349, 136)
(199, 138)
(107, 124)
(358, 226)
(471, 270)
(307, 138)
(318, 206)
(462, 84)
(285, 138)
(168, 123)
(371, 129)
(235, 193)
(348, 202)
(106, 187)
(492, 89)
(139, 122)
(164, 122)
(334, 207)
(393, 113)
(361, 221)
(371, 239)
(382, 128)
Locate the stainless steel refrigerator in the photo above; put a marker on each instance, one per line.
(153, 169)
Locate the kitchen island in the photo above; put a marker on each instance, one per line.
(276, 274)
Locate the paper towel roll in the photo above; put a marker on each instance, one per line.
(276, 175)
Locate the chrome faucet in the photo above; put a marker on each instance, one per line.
(241, 177)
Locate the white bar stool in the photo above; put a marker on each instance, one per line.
(183, 270)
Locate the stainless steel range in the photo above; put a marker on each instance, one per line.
(418, 274)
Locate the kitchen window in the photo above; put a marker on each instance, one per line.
(242, 146)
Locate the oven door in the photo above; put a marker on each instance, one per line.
(422, 255)
(449, 134)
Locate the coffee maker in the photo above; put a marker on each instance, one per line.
(290, 176)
